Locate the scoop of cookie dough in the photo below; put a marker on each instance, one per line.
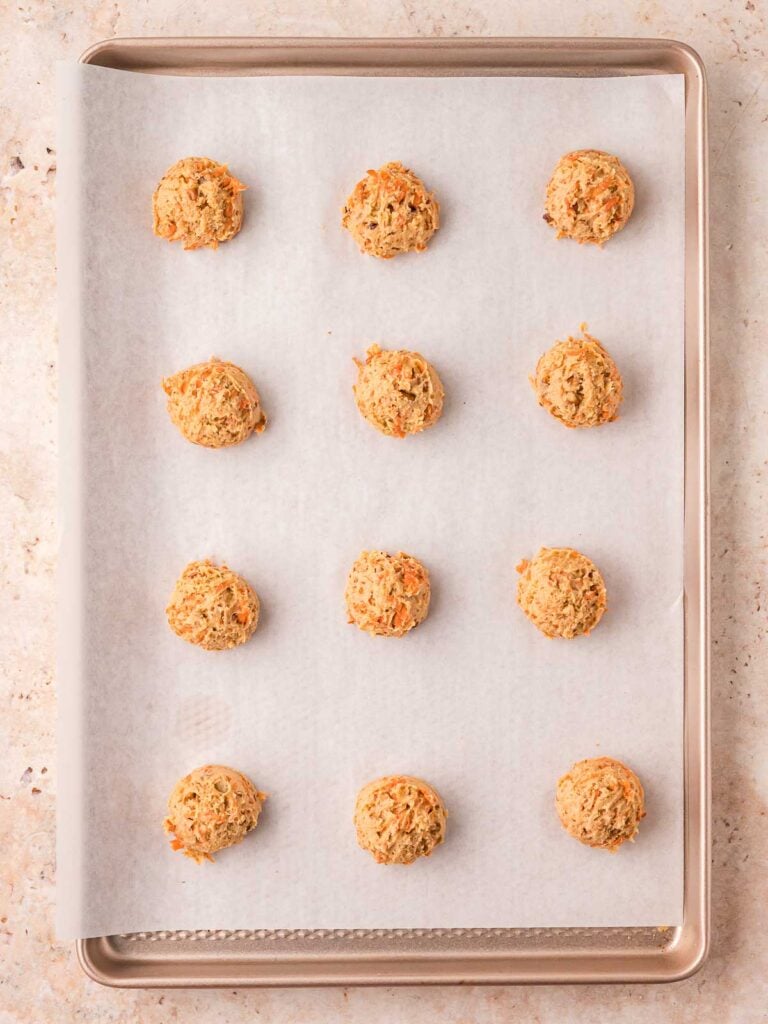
(562, 592)
(199, 203)
(578, 382)
(398, 392)
(387, 595)
(590, 196)
(390, 211)
(211, 808)
(399, 818)
(600, 802)
(213, 607)
(214, 404)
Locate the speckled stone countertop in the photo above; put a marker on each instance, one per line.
(40, 980)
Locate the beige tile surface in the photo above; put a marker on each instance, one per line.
(39, 979)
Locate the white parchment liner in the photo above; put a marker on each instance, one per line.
(476, 700)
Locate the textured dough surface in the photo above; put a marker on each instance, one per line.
(387, 595)
(214, 404)
(211, 808)
(562, 592)
(199, 203)
(578, 382)
(390, 212)
(590, 196)
(213, 607)
(399, 818)
(398, 391)
(600, 802)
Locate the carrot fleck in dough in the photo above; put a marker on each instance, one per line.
(214, 404)
(578, 382)
(562, 592)
(213, 607)
(399, 818)
(199, 203)
(390, 212)
(590, 196)
(398, 391)
(211, 808)
(387, 595)
(600, 802)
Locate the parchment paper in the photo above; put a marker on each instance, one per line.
(475, 700)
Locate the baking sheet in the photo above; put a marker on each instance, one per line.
(475, 700)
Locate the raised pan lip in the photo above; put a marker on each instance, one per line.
(417, 42)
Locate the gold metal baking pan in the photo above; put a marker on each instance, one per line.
(522, 956)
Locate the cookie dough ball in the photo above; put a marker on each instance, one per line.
(590, 196)
(214, 404)
(387, 595)
(211, 808)
(213, 607)
(199, 203)
(399, 818)
(562, 592)
(390, 211)
(600, 802)
(578, 382)
(398, 392)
